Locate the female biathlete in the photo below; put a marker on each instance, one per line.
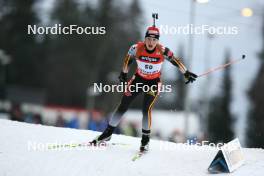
(149, 56)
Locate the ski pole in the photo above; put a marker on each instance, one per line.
(220, 67)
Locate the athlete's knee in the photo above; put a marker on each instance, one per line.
(146, 121)
(145, 111)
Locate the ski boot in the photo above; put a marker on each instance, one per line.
(105, 136)
(144, 147)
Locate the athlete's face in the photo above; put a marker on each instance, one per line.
(151, 42)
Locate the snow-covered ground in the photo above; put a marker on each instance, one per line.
(19, 155)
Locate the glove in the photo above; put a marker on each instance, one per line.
(122, 77)
(190, 77)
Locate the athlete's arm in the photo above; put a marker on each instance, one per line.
(189, 76)
(174, 60)
(129, 58)
(127, 61)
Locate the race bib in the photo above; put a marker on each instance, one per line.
(148, 68)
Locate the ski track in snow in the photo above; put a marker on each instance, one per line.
(17, 158)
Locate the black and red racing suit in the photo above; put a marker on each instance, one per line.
(148, 72)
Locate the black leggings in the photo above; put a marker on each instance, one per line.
(148, 101)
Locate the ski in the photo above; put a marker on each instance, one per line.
(84, 144)
(138, 155)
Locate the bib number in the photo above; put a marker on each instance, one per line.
(148, 67)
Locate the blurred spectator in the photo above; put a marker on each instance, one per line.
(60, 121)
(74, 122)
(96, 122)
(28, 118)
(33, 118)
(37, 119)
(16, 113)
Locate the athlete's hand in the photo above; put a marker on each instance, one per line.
(190, 77)
(122, 77)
